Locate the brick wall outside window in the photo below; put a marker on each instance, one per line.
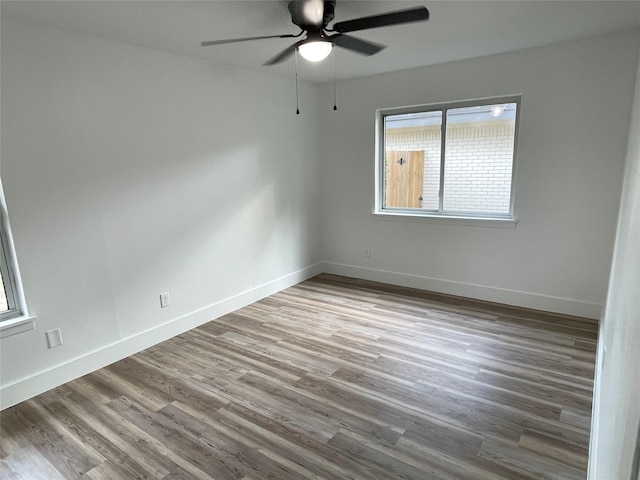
(478, 164)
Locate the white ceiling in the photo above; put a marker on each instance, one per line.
(456, 30)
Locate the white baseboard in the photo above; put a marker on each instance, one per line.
(43, 381)
(567, 306)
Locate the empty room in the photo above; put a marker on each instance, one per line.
(320, 240)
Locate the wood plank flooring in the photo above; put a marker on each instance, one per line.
(334, 378)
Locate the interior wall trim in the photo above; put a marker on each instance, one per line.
(38, 383)
(547, 303)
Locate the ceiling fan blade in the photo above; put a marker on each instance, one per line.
(375, 21)
(358, 45)
(283, 55)
(245, 39)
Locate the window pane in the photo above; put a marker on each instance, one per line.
(3, 297)
(412, 160)
(479, 158)
(9, 303)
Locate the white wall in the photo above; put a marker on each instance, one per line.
(574, 122)
(129, 172)
(616, 415)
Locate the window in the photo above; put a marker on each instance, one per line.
(448, 160)
(11, 306)
(8, 303)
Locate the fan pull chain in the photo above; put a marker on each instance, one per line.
(297, 104)
(333, 56)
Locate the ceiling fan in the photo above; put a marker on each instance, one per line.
(313, 18)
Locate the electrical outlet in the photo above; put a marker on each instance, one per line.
(54, 338)
(165, 300)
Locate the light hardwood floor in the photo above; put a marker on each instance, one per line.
(331, 379)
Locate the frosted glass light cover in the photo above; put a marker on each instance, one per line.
(315, 51)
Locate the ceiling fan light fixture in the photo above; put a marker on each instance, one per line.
(315, 51)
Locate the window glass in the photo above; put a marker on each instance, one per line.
(479, 158)
(412, 160)
(4, 306)
(449, 159)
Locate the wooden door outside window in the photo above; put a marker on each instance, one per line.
(404, 182)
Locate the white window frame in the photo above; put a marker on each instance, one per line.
(506, 220)
(16, 319)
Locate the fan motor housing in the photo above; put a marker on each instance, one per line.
(300, 17)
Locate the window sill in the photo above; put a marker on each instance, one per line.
(490, 222)
(16, 326)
